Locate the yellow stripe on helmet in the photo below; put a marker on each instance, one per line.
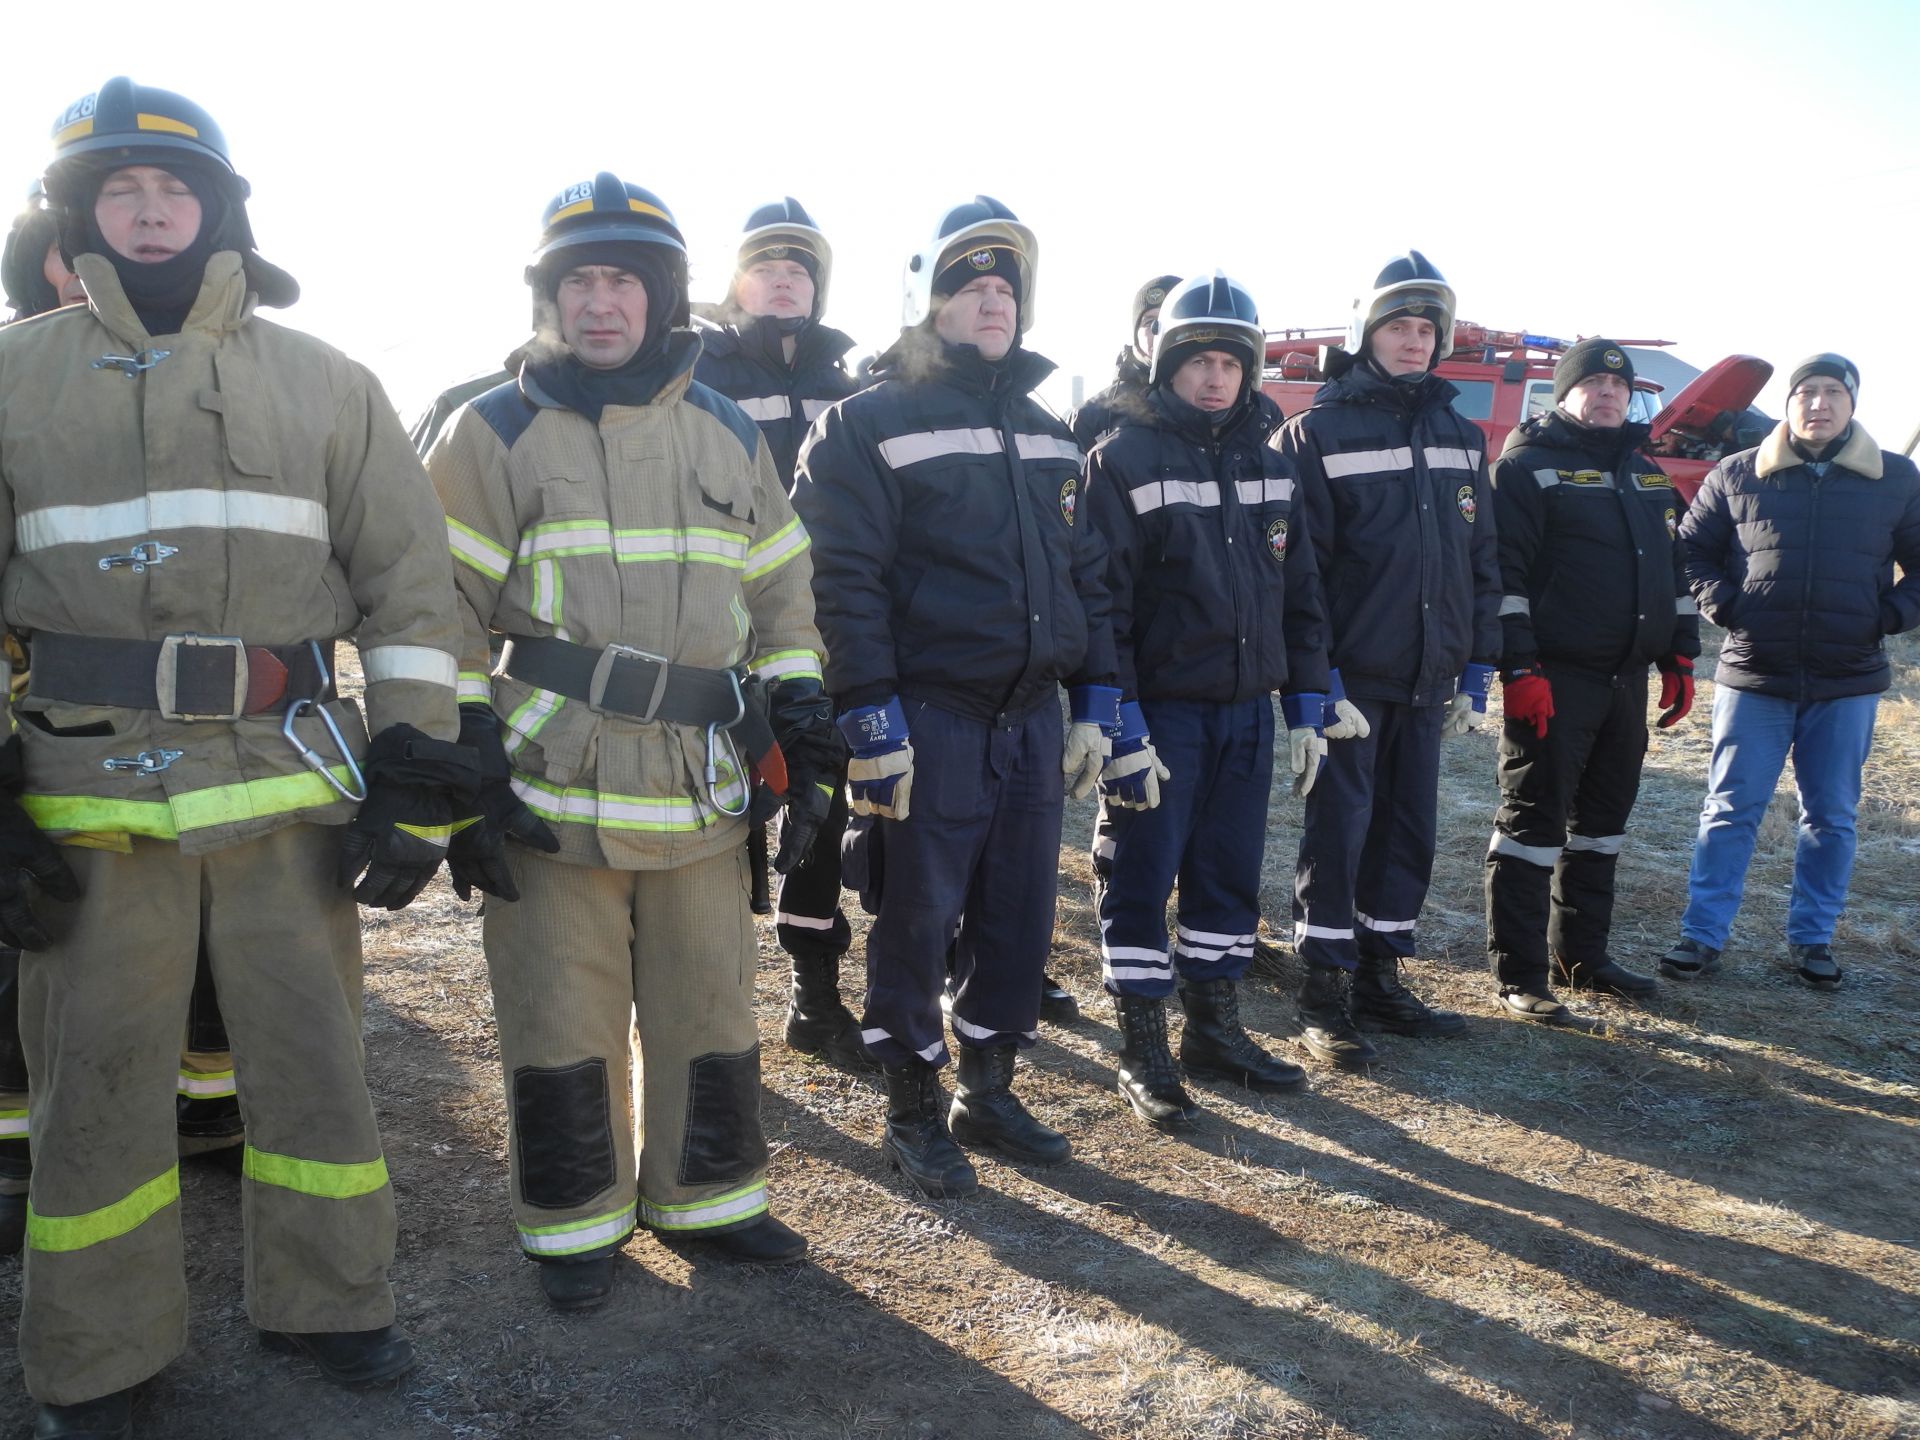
(167, 124)
(644, 209)
(579, 207)
(79, 130)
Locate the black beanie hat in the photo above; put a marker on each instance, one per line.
(784, 249)
(968, 265)
(1149, 296)
(1192, 342)
(1835, 367)
(1588, 358)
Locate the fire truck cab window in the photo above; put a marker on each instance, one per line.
(1475, 400)
(1539, 398)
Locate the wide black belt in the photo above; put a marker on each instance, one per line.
(184, 677)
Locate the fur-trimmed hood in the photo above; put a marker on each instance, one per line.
(1859, 454)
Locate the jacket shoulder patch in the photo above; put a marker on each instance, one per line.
(705, 397)
(507, 412)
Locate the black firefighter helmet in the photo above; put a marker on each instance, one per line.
(1408, 284)
(604, 211)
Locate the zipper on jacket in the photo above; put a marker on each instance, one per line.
(1806, 588)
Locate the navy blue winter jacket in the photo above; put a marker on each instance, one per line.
(1798, 565)
(746, 362)
(1215, 592)
(947, 561)
(1397, 507)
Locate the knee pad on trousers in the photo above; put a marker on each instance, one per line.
(723, 1139)
(564, 1132)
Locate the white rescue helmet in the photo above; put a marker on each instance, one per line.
(775, 231)
(980, 223)
(1209, 312)
(1409, 284)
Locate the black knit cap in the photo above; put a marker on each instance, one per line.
(1594, 356)
(1835, 367)
(1149, 295)
(969, 265)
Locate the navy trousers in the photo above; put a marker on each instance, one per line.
(980, 849)
(1208, 834)
(1366, 854)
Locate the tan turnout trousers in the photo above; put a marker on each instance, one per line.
(585, 953)
(101, 1016)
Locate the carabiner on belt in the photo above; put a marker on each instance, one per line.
(314, 760)
(720, 729)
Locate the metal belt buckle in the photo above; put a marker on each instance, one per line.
(166, 675)
(603, 672)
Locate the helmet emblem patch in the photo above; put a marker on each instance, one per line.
(776, 252)
(1469, 507)
(981, 259)
(1673, 525)
(1156, 295)
(1415, 307)
(1277, 539)
(1613, 359)
(1069, 492)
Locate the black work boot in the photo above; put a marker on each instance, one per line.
(1326, 1029)
(917, 1141)
(206, 1123)
(761, 1241)
(1149, 1080)
(1605, 975)
(1216, 1045)
(1689, 960)
(1815, 965)
(349, 1357)
(1533, 1002)
(1057, 1005)
(986, 1114)
(110, 1417)
(576, 1284)
(1381, 1002)
(818, 1020)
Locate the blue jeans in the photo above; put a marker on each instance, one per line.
(1752, 736)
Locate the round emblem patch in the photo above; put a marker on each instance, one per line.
(1469, 507)
(776, 252)
(1673, 524)
(981, 259)
(1155, 295)
(1613, 360)
(1069, 491)
(1277, 539)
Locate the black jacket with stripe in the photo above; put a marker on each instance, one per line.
(948, 565)
(1125, 399)
(1398, 509)
(746, 362)
(1216, 596)
(1593, 571)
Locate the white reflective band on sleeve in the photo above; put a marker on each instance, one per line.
(1207, 954)
(1684, 605)
(932, 444)
(583, 1235)
(1209, 937)
(1137, 953)
(786, 662)
(479, 687)
(1257, 492)
(1384, 926)
(1547, 477)
(1445, 457)
(409, 662)
(1545, 856)
(1366, 462)
(804, 922)
(1304, 931)
(171, 510)
(1150, 497)
(721, 1210)
(1046, 447)
(765, 407)
(963, 1026)
(773, 552)
(1135, 972)
(814, 409)
(933, 1054)
(1515, 605)
(1597, 844)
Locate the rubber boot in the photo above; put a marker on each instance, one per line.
(917, 1141)
(576, 1284)
(1149, 1080)
(1216, 1045)
(987, 1114)
(349, 1357)
(1326, 1029)
(110, 1417)
(818, 1020)
(1381, 1002)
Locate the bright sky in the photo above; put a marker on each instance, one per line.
(1734, 177)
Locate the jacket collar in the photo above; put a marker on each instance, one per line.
(224, 303)
(1560, 431)
(920, 356)
(1859, 454)
(683, 348)
(1360, 384)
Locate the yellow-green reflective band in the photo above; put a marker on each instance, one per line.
(195, 810)
(778, 548)
(13, 1124)
(55, 1234)
(460, 825)
(315, 1177)
(577, 1235)
(729, 1209)
(432, 834)
(477, 551)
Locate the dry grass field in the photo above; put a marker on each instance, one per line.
(1697, 1222)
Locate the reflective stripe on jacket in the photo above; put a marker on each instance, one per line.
(663, 528)
(269, 481)
(746, 363)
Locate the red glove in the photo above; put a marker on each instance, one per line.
(1676, 690)
(1527, 696)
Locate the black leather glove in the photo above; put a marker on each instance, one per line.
(399, 837)
(816, 756)
(25, 853)
(477, 853)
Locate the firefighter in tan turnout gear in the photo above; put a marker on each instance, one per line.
(197, 504)
(623, 527)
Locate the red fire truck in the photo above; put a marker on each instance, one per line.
(1504, 376)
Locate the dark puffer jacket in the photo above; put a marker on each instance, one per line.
(1795, 559)
(1125, 399)
(1215, 594)
(1401, 520)
(745, 361)
(947, 561)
